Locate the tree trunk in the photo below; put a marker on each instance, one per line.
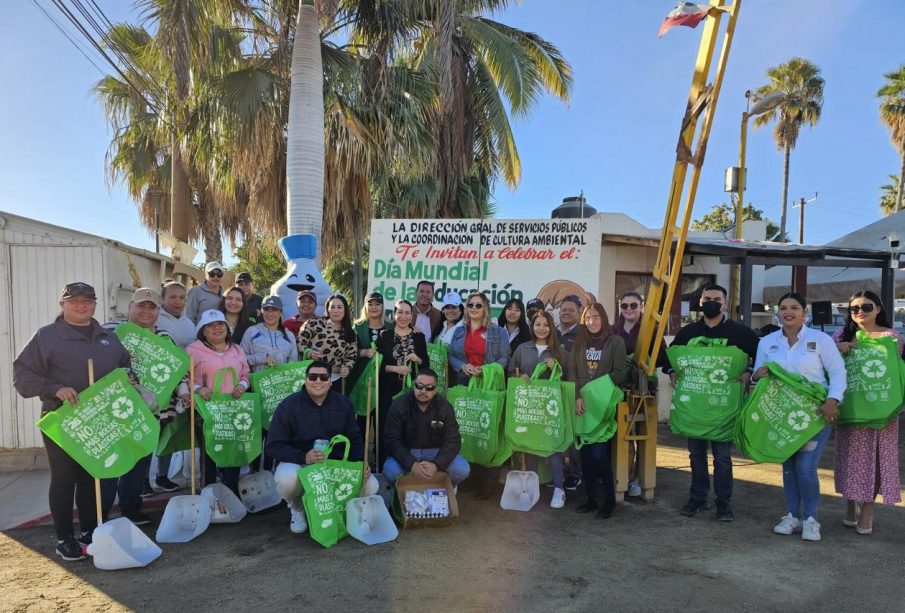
(180, 195)
(899, 203)
(785, 196)
(180, 191)
(209, 223)
(305, 146)
(450, 162)
(356, 277)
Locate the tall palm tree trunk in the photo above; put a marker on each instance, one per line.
(180, 194)
(305, 146)
(785, 195)
(899, 203)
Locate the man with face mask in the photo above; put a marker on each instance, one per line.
(714, 324)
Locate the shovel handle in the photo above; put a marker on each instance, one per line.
(97, 482)
(192, 419)
(367, 438)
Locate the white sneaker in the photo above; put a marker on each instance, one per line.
(788, 525)
(297, 524)
(559, 498)
(634, 489)
(810, 531)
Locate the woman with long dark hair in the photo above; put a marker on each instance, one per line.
(597, 351)
(867, 460)
(234, 307)
(812, 354)
(332, 339)
(512, 319)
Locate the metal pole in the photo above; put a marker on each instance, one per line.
(801, 222)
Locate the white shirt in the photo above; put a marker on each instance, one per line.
(814, 356)
(446, 334)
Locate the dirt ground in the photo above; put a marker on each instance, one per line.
(646, 558)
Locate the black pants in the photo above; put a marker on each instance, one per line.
(268, 461)
(128, 487)
(229, 476)
(596, 463)
(68, 479)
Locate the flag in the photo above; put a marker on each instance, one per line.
(685, 14)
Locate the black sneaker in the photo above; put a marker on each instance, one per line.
(85, 538)
(724, 511)
(693, 507)
(147, 490)
(606, 511)
(572, 483)
(586, 507)
(138, 518)
(70, 549)
(166, 485)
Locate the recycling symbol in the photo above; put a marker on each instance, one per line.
(485, 420)
(122, 407)
(799, 420)
(242, 421)
(552, 408)
(718, 375)
(161, 372)
(874, 369)
(343, 491)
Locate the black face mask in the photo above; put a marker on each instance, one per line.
(711, 309)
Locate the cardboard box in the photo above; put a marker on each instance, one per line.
(439, 480)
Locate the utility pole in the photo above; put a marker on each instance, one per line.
(800, 207)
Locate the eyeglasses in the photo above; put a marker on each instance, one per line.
(475, 305)
(427, 387)
(861, 308)
(436, 424)
(318, 376)
(628, 306)
(215, 274)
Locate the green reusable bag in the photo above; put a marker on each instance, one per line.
(368, 377)
(478, 413)
(406, 386)
(873, 393)
(438, 358)
(707, 398)
(535, 414)
(276, 382)
(327, 487)
(158, 362)
(232, 426)
(493, 377)
(175, 435)
(598, 422)
(780, 416)
(108, 431)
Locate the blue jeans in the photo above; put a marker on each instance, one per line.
(457, 470)
(700, 474)
(799, 477)
(555, 462)
(596, 463)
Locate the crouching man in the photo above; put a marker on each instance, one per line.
(315, 412)
(422, 435)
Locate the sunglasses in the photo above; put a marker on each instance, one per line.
(475, 305)
(427, 387)
(861, 308)
(628, 306)
(318, 376)
(218, 275)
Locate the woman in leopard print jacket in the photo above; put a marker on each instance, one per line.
(332, 339)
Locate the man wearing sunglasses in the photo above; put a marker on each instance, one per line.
(206, 296)
(422, 435)
(314, 413)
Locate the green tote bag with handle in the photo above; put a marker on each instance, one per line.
(232, 426)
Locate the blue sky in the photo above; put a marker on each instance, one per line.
(615, 140)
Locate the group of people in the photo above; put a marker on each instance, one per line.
(236, 330)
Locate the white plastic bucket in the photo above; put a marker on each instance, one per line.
(119, 544)
(521, 492)
(259, 491)
(184, 518)
(369, 521)
(226, 508)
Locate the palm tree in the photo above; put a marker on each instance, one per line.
(889, 196)
(892, 113)
(799, 81)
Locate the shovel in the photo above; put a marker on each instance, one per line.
(186, 517)
(385, 488)
(118, 543)
(522, 489)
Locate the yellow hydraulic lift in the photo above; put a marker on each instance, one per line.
(637, 416)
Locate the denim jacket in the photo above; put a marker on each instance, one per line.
(497, 349)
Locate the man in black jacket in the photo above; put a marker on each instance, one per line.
(314, 413)
(422, 435)
(714, 324)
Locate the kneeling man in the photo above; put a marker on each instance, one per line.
(422, 435)
(315, 412)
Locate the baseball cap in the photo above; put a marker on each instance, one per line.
(535, 304)
(210, 316)
(307, 293)
(77, 288)
(145, 294)
(376, 296)
(272, 302)
(451, 299)
(244, 276)
(213, 266)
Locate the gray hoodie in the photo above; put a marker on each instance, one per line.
(200, 299)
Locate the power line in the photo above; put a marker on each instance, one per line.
(68, 36)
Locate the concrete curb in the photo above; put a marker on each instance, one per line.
(152, 503)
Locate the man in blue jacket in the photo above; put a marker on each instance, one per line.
(313, 413)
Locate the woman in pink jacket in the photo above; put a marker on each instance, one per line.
(212, 352)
